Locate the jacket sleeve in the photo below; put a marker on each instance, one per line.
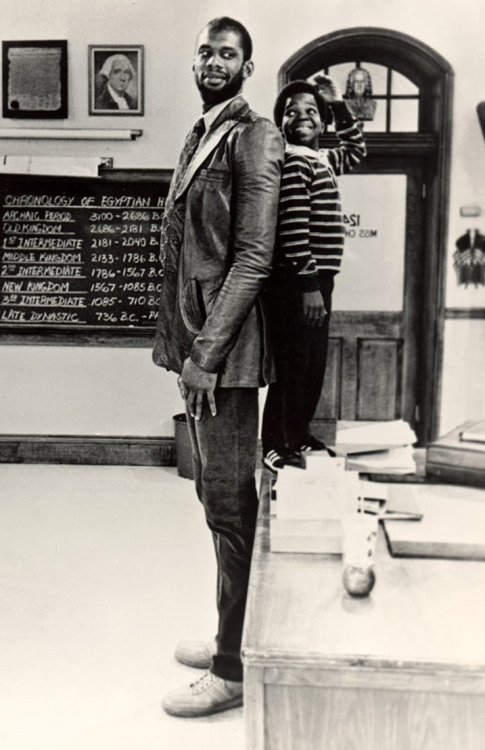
(351, 149)
(257, 159)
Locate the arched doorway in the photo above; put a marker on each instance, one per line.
(387, 329)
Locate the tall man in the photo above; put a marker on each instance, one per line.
(217, 246)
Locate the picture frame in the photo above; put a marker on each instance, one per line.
(116, 79)
(34, 77)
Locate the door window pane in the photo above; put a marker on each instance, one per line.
(372, 275)
(378, 74)
(340, 73)
(402, 85)
(378, 123)
(404, 116)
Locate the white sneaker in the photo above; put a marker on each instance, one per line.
(207, 695)
(196, 654)
(273, 460)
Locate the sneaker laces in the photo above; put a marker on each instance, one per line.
(202, 683)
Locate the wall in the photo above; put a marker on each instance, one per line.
(73, 390)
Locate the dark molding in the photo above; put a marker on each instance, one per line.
(465, 313)
(136, 174)
(376, 44)
(481, 116)
(392, 144)
(47, 337)
(87, 449)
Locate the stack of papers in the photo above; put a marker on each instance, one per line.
(378, 447)
(474, 432)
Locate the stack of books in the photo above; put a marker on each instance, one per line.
(377, 447)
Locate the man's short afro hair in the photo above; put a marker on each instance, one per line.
(300, 87)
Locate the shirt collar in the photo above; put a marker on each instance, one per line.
(320, 155)
(293, 148)
(120, 99)
(213, 113)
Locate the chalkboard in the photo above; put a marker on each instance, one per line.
(81, 255)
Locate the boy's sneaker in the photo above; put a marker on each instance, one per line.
(273, 460)
(206, 696)
(294, 458)
(312, 443)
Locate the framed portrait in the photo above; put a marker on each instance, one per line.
(34, 79)
(116, 79)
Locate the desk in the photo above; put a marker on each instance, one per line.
(401, 670)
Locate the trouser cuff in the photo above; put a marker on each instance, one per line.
(227, 668)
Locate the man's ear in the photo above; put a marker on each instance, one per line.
(248, 68)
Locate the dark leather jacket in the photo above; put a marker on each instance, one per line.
(218, 252)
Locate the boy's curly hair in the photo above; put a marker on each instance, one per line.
(300, 87)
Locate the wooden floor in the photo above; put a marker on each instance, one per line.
(102, 570)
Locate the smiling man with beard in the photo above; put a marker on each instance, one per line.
(217, 244)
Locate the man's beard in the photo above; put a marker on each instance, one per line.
(211, 97)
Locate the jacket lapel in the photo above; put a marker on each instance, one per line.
(230, 118)
(208, 145)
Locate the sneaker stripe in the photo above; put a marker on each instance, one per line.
(273, 460)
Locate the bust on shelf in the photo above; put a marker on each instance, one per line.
(358, 94)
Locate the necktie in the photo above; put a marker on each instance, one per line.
(188, 150)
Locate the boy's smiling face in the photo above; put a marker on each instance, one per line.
(302, 124)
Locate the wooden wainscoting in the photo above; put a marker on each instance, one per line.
(87, 449)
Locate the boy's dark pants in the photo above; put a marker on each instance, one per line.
(224, 459)
(301, 359)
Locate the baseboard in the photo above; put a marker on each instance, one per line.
(87, 449)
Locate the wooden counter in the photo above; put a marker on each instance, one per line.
(403, 669)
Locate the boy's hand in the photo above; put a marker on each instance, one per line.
(195, 384)
(329, 89)
(313, 308)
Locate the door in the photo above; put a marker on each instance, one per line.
(375, 330)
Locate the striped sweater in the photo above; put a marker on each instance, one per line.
(310, 233)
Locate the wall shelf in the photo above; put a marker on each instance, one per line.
(71, 134)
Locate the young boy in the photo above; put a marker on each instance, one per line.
(308, 253)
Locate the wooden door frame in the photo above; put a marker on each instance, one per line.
(409, 323)
(434, 77)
